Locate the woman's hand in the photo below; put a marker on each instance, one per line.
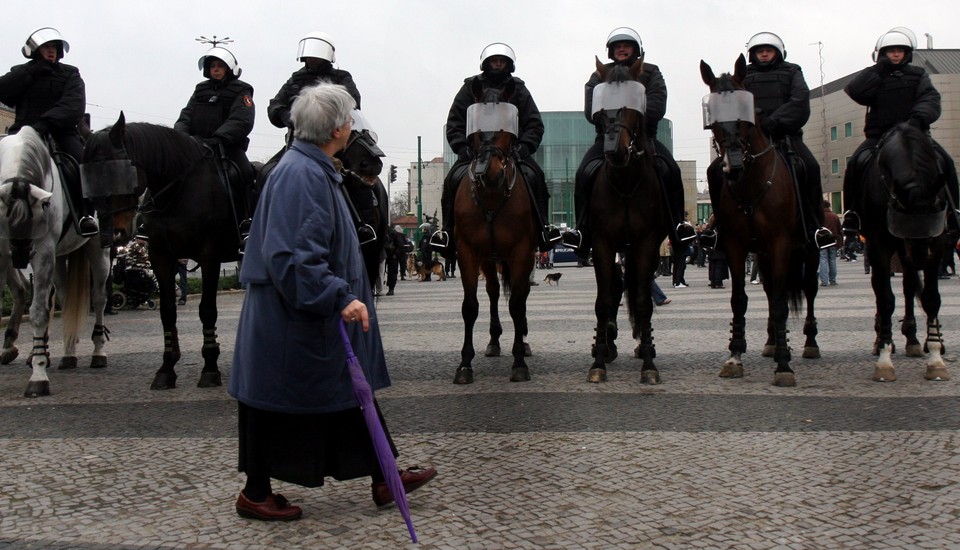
(356, 311)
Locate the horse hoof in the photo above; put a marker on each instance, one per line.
(98, 362)
(914, 350)
(597, 375)
(67, 363)
(768, 350)
(611, 354)
(492, 351)
(519, 374)
(164, 381)
(9, 355)
(526, 350)
(811, 352)
(210, 380)
(784, 380)
(884, 374)
(650, 376)
(937, 373)
(731, 370)
(464, 375)
(37, 389)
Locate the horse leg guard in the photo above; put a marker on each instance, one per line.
(936, 368)
(166, 377)
(908, 328)
(210, 377)
(100, 334)
(784, 377)
(733, 367)
(811, 350)
(648, 372)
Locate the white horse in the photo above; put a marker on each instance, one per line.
(34, 228)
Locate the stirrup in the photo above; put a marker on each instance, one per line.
(572, 238)
(551, 235)
(851, 223)
(440, 241)
(708, 238)
(685, 232)
(88, 226)
(824, 238)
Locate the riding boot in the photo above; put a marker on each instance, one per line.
(579, 238)
(671, 189)
(547, 234)
(442, 240)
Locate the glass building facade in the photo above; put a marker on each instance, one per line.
(567, 136)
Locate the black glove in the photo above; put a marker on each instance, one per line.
(884, 66)
(213, 143)
(41, 127)
(913, 121)
(769, 126)
(521, 151)
(464, 154)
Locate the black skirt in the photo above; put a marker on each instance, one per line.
(305, 448)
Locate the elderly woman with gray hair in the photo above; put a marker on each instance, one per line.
(298, 418)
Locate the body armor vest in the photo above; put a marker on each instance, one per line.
(894, 102)
(770, 89)
(212, 107)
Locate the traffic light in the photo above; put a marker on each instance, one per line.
(393, 173)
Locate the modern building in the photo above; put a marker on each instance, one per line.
(835, 128)
(567, 136)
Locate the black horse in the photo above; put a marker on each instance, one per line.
(186, 213)
(367, 196)
(904, 213)
(626, 217)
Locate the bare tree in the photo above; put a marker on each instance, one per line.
(399, 204)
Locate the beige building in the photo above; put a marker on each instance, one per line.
(430, 174)
(835, 128)
(6, 118)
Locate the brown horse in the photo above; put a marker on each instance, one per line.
(494, 221)
(626, 217)
(757, 211)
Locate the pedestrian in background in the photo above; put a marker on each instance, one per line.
(828, 255)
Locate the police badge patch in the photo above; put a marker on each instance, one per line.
(248, 101)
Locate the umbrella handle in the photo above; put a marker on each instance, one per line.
(346, 338)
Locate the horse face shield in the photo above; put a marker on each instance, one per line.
(493, 128)
(729, 114)
(628, 102)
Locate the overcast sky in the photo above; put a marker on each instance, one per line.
(409, 58)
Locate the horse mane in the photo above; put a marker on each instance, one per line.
(618, 73)
(161, 150)
(35, 161)
(917, 147)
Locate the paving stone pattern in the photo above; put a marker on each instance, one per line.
(696, 462)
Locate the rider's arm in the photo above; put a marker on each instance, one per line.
(69, 109)
(234, 131)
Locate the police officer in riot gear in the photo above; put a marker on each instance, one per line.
(50, 97)
(894, 91)
(624, 47)
(221, 114)
(497, 63)
(782, 100)
(318, 54)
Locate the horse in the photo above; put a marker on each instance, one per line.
(904, 214)
(494, 220)
(37, 229)
(758, 211)
(186, 212)
(367, 196)
(626, 217)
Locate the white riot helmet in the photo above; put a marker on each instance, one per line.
(897, 36)
(222, 54)
(317, 44)
(624, 34)
(766, 39)
(498, 48)
(41, 37)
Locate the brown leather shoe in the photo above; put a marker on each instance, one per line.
(274, 508)
(413, 478)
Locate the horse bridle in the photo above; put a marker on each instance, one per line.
(748, 159)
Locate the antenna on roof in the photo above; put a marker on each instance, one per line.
(214, 42)
(929, 40)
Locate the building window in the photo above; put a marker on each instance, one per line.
(835, 166)
(848, 129)
(833, 133)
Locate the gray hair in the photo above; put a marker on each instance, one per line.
(318, 110)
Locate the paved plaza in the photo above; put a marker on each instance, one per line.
(697, 462)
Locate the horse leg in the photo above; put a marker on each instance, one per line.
(163, 268)
(40, 308)
(519, 291)
(99, 270)
(908, 327)
(930, 300)
(733, 366)
(811, 284)
(883, 345)
(17, 284)
(641, 308)
(469, 309)
(210, 375)
(784, 376)
(492, 284)
(608, 295)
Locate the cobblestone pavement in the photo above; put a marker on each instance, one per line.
(696, 462)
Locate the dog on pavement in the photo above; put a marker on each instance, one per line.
(552, 278)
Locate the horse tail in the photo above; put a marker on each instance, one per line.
(795, 280)
(630, 278)
(76, 301)
(505, 279)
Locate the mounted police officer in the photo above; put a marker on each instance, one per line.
(221, 114)
(893, 91)
(782, 100)
(318, 54)
(50, 97)
(497, 63)
(624, 47)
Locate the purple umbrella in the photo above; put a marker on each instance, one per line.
(361, 389)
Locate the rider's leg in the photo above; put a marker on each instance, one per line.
(547, 234)
(671, 182)
(579, 238)
(811, 197)
(442, 240)
(708, 237)
(83, 210)
(852, 181)
(950, 177)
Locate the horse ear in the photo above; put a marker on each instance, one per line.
(637, 68)
(706, 73)
(118, 130)
(477, 88)
(740, 69)
(601, 69)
